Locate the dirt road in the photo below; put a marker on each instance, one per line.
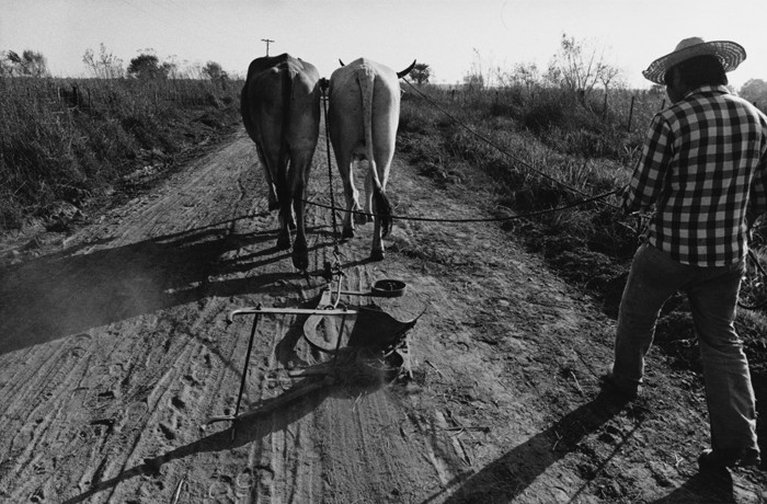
(114, 351)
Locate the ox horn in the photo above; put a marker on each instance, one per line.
(406, 71)
(342, 63)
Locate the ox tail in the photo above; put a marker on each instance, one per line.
(366, 81)
(287, 105)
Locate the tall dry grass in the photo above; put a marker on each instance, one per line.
(72, 139)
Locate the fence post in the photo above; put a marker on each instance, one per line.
(631, 114)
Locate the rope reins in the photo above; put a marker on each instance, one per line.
(487, 219)
(324, 83)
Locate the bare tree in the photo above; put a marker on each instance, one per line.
(579, 67)
(525, 74)
(105, 65)
(474, 79)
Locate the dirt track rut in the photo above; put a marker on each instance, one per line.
(114, 351)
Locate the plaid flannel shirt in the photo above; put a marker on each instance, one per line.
(704, 169)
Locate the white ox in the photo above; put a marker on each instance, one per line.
(364, 113)
(280, 106)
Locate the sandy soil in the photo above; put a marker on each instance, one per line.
(114, 350)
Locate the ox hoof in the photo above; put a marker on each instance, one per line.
(301, 261)
(347, 233)
(283, 243)
(361, 218)
(300, 256)
(377, 255)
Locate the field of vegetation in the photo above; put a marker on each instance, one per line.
(69, 143)
(547, 148)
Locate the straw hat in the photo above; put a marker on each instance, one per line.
(730, 55)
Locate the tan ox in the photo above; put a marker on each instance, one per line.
(364, 114)
(280, 106)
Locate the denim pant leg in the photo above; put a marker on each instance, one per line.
(729, 393)
(653, 278)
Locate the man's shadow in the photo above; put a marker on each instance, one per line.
(508, 476)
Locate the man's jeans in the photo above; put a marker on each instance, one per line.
(713, 294)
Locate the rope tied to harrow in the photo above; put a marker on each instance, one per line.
(334, 269)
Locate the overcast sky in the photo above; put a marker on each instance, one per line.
(449, 35)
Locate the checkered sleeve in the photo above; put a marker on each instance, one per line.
(650, 173)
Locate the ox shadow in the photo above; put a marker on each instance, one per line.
(70, 292)
(508, 476)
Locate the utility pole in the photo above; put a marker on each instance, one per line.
(268, 41)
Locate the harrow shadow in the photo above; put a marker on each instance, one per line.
(267, 417)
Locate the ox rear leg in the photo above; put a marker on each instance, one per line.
(286, 215)
(274, 203)
(283, 235)
(351, 195)
(299, 179)
(291, 215)
(369, 191)
(359, 217)
(377, 250)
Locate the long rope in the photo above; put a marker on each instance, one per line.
(488, 219)
(324, 87)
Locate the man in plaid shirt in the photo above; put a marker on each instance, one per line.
(703, 171)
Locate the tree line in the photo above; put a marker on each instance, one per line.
(103, 64)
(579, 66)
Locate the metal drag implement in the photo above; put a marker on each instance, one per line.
(326, 307)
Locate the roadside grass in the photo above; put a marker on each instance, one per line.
(560, 151)
(66, 144)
